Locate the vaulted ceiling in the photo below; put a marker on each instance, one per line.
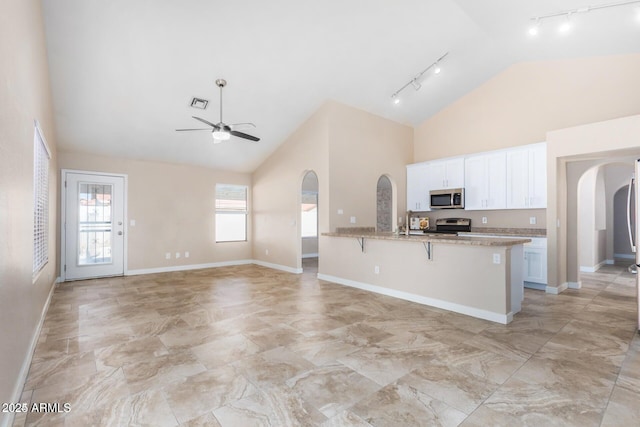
(123, 72)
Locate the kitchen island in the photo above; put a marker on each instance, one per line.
(476, 276)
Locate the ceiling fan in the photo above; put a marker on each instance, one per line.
(221, 131)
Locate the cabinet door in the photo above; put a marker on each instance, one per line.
(538, 177)
(454, 170)
(496, 181)
(517, 178)
(437, 175)
(535, 265)
(417, 188)
(475, 182)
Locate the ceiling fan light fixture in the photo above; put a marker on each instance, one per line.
(220, 135)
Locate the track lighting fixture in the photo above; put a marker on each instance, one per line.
(565, 25)
(415, 82)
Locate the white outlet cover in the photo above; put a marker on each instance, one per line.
(340, 211)
(532, 220)
(177, 255)
(484, 219)
(352, 220)
(496, 258)
(132, 223)
(376, 269)
(186, 254)
(167, 255)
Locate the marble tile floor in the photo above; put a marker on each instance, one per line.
(252, 346)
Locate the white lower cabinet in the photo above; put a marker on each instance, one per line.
(535, 263)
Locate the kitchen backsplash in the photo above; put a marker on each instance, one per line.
(512, 218)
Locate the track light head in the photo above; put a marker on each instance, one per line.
(565, 26)
(416, 85)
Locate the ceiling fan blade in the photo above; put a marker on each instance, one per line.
(179, 130)
(205, 121)
(244, 135)
(237, 125)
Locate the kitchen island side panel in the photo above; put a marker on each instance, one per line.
(463, 275)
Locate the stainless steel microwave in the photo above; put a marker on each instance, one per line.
(452, 198)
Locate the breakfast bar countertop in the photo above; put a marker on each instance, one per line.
(469, 240)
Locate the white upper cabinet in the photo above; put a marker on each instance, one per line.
(485, 181)
(527, 177)
(446, 174)
(418, 187)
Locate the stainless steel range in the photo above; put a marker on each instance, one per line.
(450, 226)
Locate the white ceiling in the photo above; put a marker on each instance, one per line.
(123, 72)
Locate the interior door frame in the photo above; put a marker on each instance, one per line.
(63, 203)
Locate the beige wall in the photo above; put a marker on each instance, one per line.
(174, 209)
(348, 149)
(24, 97)
(364, 147)
(611, 141)
(520, 105)
(276, 192)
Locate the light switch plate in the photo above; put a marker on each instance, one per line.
(352, 220)
(484, 219)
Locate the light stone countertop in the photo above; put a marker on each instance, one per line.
(437, 238)
(524, 232)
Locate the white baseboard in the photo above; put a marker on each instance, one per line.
(625, 256)
(537, 286)
(586, 269)
(314, 255)
(555, 291)
(574, 285)
(458, 308)
(187, 267)
(278, 267)
(26, 364)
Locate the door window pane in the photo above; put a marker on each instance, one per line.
(94, 223)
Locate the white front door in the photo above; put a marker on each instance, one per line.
(93, 225)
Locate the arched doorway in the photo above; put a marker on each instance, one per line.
(309, 222)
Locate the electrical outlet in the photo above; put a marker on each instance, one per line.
(132, 223)
(266, 251)
(186, 254)
(484, 219)
(376, 269)
(340, 211)
(177, 255)
(352, 220)
(167, 255)
(496, 258)
(532, 220)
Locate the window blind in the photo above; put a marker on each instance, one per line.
(40, 201)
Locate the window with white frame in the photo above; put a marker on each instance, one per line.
(41, 156)
(231, 213)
